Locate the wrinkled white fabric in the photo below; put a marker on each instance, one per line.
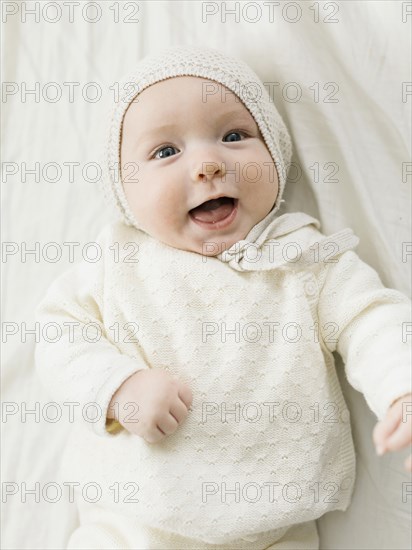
(367, 134)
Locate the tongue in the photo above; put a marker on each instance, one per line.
(213, 211)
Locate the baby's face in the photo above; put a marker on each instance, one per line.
(190, 140)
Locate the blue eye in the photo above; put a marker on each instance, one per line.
(233, 133)
(163, 149)
(170, 147)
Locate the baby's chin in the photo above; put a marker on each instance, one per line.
(216, 245)
(212, 246)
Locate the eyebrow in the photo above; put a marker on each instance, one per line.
(165, 127)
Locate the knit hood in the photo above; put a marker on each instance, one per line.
(207, 63)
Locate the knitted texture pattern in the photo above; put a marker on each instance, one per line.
(206, 63)
(267, 443)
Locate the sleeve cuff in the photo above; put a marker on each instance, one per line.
(382, 402)
(105, 427)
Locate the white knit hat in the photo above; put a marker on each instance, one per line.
(207, 63)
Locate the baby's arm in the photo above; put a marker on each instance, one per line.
(371, 324)
(77, 370)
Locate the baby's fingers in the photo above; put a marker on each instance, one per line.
(179, 410)
(385, 428)
(186, 395)
(154, 435)
(400, 438)
(167, 424)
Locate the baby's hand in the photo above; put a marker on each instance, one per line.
(151, 403)
(394, 432)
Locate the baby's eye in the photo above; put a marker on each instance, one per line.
(234, 133)
(167, 148)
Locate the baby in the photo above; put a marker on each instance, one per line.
(220, 422)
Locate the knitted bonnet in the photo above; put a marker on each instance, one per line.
(206, 63)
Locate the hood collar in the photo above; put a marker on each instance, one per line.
(207, 63)
(269, 245)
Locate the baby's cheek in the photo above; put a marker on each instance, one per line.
(133, 194)
(170, 206)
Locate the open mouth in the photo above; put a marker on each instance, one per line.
(216, 213)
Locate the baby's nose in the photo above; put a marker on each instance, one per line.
(207, 170)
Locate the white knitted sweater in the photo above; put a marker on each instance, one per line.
(251, 336)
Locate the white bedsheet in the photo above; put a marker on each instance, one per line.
(364, 57)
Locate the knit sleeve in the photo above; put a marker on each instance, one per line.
(367, 324)
(83, 366)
